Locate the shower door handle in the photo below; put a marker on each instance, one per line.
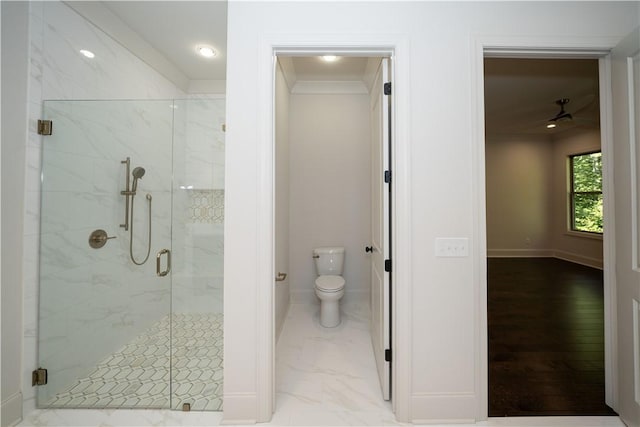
(158, 257)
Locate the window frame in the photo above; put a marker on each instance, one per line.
(572, 193)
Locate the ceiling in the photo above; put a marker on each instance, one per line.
(520, 94)
(345, 68)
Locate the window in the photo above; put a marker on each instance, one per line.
(586, 192)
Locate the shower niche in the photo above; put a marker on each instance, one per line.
(136, 322)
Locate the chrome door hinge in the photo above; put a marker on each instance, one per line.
(39, 377)
(387, 88)
(45, 127)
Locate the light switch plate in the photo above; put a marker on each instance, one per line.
(452, 247)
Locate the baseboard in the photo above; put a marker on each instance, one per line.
(546, 253)
(579, 259)
(519, 253)
(443, 408)
(11, 410)
(239, 409)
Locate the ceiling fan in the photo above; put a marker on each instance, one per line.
(562, 116)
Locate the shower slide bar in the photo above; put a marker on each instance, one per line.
(126, 193)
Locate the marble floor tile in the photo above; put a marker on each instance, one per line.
(139, 374)
(327, 376)
(324, 377)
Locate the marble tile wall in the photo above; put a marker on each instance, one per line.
(199, 190)
(58, 72)
(94, 300)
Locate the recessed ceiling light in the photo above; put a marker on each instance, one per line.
(87, 53)
(551, 125)
(330, 58)
(206, 51)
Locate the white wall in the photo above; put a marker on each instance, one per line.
(526, 178)
(14, 130)
(581, 248)
(282, 291)
(330, 189)
(441, 89)
(519, 180)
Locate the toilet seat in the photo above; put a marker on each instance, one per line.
(330, 283)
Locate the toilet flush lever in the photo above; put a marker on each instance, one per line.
(281, 276)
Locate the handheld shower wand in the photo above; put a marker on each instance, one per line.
(137, 173)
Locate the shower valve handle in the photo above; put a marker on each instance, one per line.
(98, 238)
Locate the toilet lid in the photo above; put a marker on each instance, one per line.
(330, 283)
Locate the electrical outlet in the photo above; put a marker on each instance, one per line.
(452, 247)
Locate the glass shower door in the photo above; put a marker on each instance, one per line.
(104, 321)
(198, 223)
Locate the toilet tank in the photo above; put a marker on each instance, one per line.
(329, 260)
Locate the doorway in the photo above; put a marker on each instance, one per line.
(546, 291)
(324, 131)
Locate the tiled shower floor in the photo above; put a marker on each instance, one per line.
(138, 375)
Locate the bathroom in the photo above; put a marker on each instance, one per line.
(123, 216)
(323, 172)
(77, 181)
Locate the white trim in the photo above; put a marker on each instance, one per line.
(636, 350)
(237, 405)
(633, 157)
(546, 253)
(11, 410)
(536, 47)
(579, 259)
(520, 253)
(265, 245)
(584, 235)
(608, 236)
(397, 47)
(443, 408)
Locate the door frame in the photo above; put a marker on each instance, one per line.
(542, 47)
(397, 48)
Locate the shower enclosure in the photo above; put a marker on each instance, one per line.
(116, 330)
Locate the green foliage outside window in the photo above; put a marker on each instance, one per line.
(586, 192)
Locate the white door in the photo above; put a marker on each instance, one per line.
(626, 146)
(380, 244)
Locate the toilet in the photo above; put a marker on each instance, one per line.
(330, 284)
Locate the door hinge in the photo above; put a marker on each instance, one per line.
(387, 176)
(387, 88)
(45, 127)
(39, 377)
(387, 265)
(387, 355)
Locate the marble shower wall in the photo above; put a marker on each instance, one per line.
(198, 216)
(95, 300)
(58, 72)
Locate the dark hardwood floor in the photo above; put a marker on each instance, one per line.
(546, 338)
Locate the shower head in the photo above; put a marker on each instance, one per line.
(137, 174)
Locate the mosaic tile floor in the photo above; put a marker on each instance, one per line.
(138, 375)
